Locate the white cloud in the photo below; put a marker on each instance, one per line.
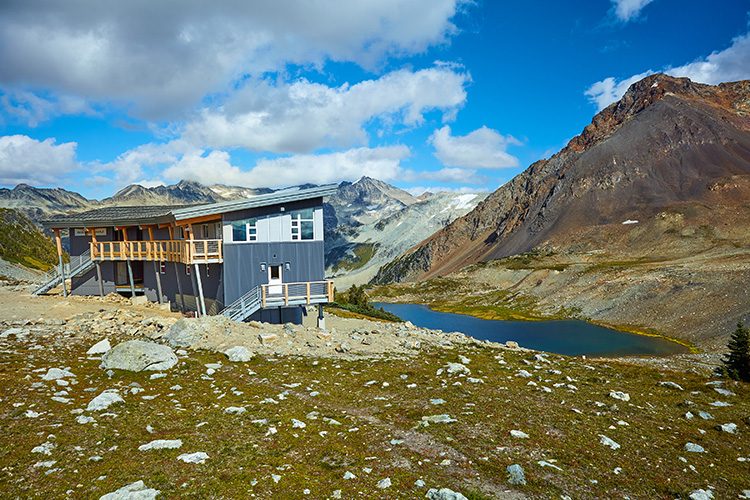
(30, 108)
(26, 160)
(302, 116)
(728, 65)
(609, 90)
(449, 175)
(165, 57)
(483, 148)
(627, 10)
(382, 163)
(420, 190)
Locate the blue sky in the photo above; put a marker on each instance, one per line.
(424, 94)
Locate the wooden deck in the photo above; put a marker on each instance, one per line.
(185, 251)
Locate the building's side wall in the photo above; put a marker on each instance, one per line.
(242, 264)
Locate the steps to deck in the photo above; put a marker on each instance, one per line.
(78, 265)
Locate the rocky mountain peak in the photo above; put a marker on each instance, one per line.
(732, 97)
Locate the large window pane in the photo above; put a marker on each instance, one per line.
(239, 230)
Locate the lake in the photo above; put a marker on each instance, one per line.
(568, 337)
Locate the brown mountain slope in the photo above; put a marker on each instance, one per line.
(669, 142)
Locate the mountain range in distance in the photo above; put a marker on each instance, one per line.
(360, 219)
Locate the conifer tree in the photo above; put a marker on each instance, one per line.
(737, 361)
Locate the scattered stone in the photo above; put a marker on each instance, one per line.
(267, 338)
(622, 396)
(99, 348)
(198, 457)
(443, 494)
(298, 424)
(44, 448)
(694, 448)
(437, 401)
(671, 385)
(701, 495)
(83, 419)
(705, 415)
(724, 392)
(519, 434)
(137, 355)
(56, 373)
(343, 348)
(516, 474)
(463, 359)
(239, 354)
(544, 463)
(133, 491)
(384, 483)
(349, 475)
(608, 442)
(105, 400)
(523, 373)
(511, 344)
(730, 428)
(457, 368)
(438, 419)
(161, 444)
(235, 410)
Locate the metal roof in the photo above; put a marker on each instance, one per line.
(262, 200)
(113, 216)
(148, 215)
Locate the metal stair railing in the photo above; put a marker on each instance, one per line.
(78, 264)
(245, 306)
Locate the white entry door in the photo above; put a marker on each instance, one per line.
(275, 280)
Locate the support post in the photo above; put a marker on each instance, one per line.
(99, 277)
(179, 287)
(321, 318)
(130, 278)
(60, 259)
(200, 289)
(195, 293)
(158, 280)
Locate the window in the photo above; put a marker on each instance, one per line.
(245, 230)
(303, 225)
(239, 230)
(162, 267)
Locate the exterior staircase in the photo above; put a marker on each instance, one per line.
(245, 306)
(79, 264)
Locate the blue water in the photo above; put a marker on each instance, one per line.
(568, 337)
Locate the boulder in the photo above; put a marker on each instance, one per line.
(444, 494)
(239, 354)
(516, 474)
(136, 356)
(99, 348)
(133, 491)
(184, 333)
(105, 400)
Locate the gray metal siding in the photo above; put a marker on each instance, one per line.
(242, 264)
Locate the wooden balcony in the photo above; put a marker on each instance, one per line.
(185, 251)
(291, 294)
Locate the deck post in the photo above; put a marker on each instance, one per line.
(99, 277)
(321, 318)
(130, 278)
(179, 287)
(200, 289)
(158, 280)
(60, 259)
(195, 293)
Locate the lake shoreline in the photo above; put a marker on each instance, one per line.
(686, 348)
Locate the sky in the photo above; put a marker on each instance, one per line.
(438, 95)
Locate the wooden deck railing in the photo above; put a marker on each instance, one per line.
(185, 251)
(285, 294)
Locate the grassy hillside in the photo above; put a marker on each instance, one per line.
(22, 242)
